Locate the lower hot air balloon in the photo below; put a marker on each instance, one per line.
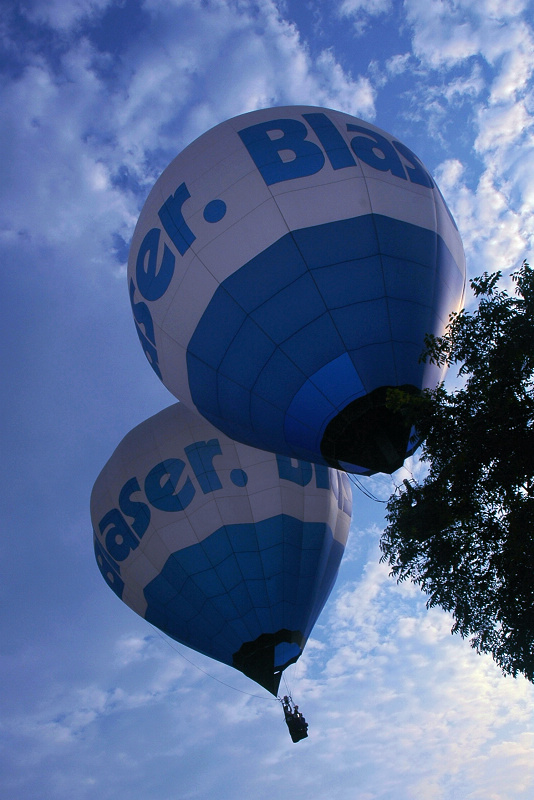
(230, 550)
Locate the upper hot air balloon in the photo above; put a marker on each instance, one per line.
(230, 550)
(283, 273)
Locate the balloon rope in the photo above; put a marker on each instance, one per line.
(288, 688)
(173, 647)
(357, 483)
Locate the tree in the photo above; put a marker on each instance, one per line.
(465, 534)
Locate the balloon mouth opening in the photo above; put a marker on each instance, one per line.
(257, 660)
(369, 435)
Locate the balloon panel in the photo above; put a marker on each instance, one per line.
(230, 550)
(284, 270)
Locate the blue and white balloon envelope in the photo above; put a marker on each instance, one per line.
(230, 550)
(284, 272)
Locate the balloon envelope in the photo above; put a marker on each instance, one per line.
(230, 550)
(284, 272)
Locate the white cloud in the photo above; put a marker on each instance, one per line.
(253, 50)
(447, 33)
(522, 178)
(70, 131)
(361, 12)
(339, 90)
(468, 86)
(440, 38)
(399, 63)
(67, 715)
(495, 236)
(516, 68)
(501, 127)
(493, 208)
(371, 7)
(63, 15)
(131, 648)
(57, 186)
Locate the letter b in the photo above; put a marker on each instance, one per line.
(265, 152)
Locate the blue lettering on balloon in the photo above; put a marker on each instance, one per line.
(331, 139)
(142, 315)
(322, 476)
(301, 473)
(366, 146)
(161, 490)
(164, 495)
(265, 151)
(117, 535)
(416, 172)
(109, 570)
(152, 281)
(173, 221)
(214, 211)
(139, 511)
(200, 455)
(150, 352)
(239, 477)
(266, 148)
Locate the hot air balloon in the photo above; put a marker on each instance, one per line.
(283, 273)
(229, 550)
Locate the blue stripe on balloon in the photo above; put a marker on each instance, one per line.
(245, 580)
(252, 371)
(327, 344)
(338, 242)
(279, 265)
(318, 399)
(290, 309)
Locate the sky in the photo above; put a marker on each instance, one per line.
(97, 97)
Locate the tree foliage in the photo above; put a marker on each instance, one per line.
(465, 534)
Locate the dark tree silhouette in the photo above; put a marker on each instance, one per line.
(465, 534)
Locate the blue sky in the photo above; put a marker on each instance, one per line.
(97, 98)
